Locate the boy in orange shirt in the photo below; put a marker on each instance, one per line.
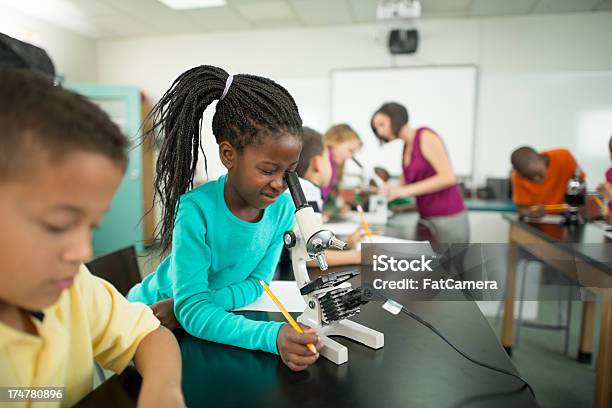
(540, 179)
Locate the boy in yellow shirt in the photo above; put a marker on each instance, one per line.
(61, 160)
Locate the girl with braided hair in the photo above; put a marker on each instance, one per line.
(223, 237)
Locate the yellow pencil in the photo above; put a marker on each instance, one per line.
(604, 209)
(285, 313)
(551, 207)
(364, 222)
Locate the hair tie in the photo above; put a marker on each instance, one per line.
(228, 83)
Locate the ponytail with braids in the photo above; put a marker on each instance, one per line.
(252, 107)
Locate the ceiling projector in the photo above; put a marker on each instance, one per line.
(398, 10)
(398, 18)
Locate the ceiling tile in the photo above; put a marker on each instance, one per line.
(264, 10)
(217, 18)
(364, 11)
(94, 7)
(117, 18)
(121, 25)
(276, 24)
(170, 22)
(323, 12)
(137, 6)
(62, 13)
(433, 6)
(445, 14)
(481, 8)
(564, 6)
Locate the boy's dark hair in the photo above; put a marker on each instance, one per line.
(254, 107)
(312, 146)
(37, 115)
(23, 55)
(522, 157)
(398, 115)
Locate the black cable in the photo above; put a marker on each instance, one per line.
(439, 334)
(485, 365)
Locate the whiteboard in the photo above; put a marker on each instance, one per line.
(440, 97)
(545, 110)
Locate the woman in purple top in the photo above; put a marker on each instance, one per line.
(427, 175)
(605, 188)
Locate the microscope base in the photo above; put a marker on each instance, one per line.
(336, 352)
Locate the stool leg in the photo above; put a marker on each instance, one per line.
(568, 325)
(521, 296)
(585, 345)
(559, 307)
(499, 312)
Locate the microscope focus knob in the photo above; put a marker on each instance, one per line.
(289, 239)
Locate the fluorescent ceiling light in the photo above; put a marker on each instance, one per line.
(192, 4)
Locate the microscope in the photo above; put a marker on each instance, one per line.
(575, 196)
(377, 204)
(330, 298)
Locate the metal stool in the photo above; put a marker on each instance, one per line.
(560, 324)
(527, 259)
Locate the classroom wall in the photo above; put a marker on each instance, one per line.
(74, 55)
(303, 59)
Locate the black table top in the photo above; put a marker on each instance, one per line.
(586, 241)
(118, 391)
(414, 368)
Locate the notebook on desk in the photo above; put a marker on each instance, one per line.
(383, 239)
(288, 294)
(603, 225)
(546, 219)
(342, 228)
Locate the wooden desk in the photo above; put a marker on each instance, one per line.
(550, 244)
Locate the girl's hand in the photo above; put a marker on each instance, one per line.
(391, 192)
(605, 189)
(292, 346)
(164, 311)
(536, 211)
(356, 237)
(345, 209)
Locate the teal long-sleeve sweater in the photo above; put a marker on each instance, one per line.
(215, 265)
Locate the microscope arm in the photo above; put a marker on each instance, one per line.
(309, 239)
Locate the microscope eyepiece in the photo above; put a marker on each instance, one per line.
(297, 194)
